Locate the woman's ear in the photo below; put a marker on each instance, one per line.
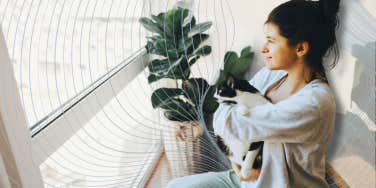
(302, 49)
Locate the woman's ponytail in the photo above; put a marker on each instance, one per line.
(329, 9)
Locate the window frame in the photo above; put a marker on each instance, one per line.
(104, 89)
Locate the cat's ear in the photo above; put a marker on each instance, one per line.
(231, 81)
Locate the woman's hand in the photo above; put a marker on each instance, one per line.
(254, 174)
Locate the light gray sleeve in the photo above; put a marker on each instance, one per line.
(294, 120)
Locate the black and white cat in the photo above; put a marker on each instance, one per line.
(242, 152)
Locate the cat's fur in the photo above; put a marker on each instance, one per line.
(242, 152)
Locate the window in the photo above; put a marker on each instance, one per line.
(58, 49)
(80, 75)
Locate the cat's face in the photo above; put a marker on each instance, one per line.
(226, 88)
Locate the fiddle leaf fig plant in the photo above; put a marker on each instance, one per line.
(236, 65)
(177, 44)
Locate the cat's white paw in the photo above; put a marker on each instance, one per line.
(246, 170)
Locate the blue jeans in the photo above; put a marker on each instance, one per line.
(225, 179)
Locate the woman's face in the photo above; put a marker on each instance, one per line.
(278, 54)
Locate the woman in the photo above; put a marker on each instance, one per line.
(297, 125)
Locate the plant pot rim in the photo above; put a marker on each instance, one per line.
(188, 131)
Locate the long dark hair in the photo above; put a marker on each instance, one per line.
(311, 21)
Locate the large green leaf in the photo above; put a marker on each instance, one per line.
(189, 27)
(163, 96)
(179, 22)
(203, 51)
(179, 110)
(245, 51)
(149, 47)
(241, 66)
(210, 103)
(194, 89)
(158, 66)
(174, 20)
(236, 65)
(188, 45)
(193, 60)
(195, 42)
(181, 115)
(159, 69)
(192, 42)
(153, 77)
(199, 28)
(182, 70)
(176, 104)
(230, 60)
(160, 19)
(150, 25)
(167, 48)
(154, 38)
(164, 47)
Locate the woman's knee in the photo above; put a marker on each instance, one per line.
(178, 182)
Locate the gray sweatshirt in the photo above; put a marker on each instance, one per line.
(296, 132)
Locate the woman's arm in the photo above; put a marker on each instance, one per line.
(296, 119)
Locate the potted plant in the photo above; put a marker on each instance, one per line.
(176, 45)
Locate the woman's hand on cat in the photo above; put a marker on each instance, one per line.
(254, 174)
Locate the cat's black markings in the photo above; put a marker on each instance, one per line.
(234, 91)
